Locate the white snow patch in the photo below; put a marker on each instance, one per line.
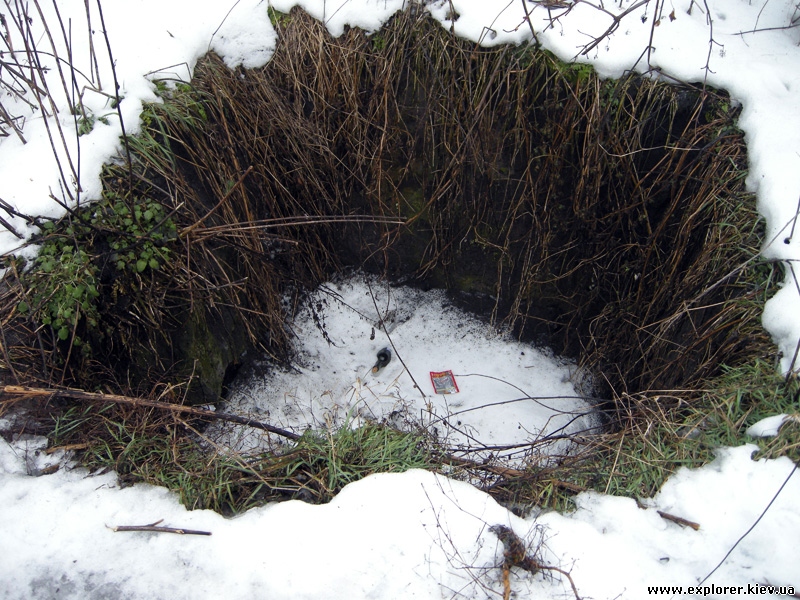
(512, 395)
(767, 427)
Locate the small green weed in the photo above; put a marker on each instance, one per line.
(86, 119)
(378, 41)
(62, 285)
(278, 19)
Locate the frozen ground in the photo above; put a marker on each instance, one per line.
(413, 535)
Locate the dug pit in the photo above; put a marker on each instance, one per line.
(605, 220)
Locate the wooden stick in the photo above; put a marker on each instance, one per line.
(159, 529)
(67, 448)
(507, 472)
(679, 520)
(30, 392)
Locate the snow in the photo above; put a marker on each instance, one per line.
(768, 427)
(510, 394)
(414, 534)
(409, 535)
(143, 48)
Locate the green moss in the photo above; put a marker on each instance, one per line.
(278, 19)
(208, 346)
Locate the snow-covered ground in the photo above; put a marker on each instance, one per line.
(389, 536)
(511, 398)
(414, 534)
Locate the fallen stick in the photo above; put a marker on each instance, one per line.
(159, 529)
(30, 392)
(67, 448)
(471, 464)
(679, 520)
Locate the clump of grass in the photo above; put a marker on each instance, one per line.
(151, 448)
(672, 430)
(331, 460)
(742, 396)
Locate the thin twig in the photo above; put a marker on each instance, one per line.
(116, 95)
(753, 526)
(679, 520)
(394, 348)
(31, 392)
(156, 528)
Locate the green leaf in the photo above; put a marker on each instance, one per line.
(23, 307)
(141, 265)
(63, 333)
(153, 263)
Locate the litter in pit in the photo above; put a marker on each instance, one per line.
(384, 357)
(444, 382)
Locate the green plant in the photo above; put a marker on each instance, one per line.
(349, 454)
(180, 105)
(741, 397)
(278, 19)
(319, 465)
(378, 41)
(141, 232)
(72, 420)
(62, 285)
(86, 119)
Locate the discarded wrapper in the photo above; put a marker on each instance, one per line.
(444, 382)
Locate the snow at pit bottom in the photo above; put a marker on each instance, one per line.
(510, 393)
